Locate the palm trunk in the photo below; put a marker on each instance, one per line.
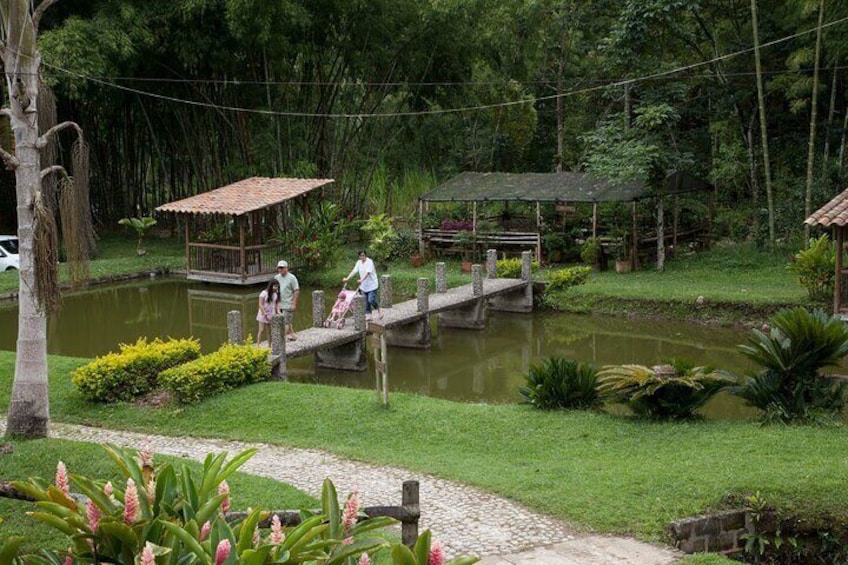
(763, 128)
(811, 145)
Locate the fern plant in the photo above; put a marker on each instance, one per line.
(663, 392)
(816, 268)
(792, 354)
(557, 382)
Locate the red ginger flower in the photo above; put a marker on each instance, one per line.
(222, 552)
(351, 509)
(92, 513)
(205, 529)
(277, 535)
(130, 503)
(147, 557)
(224, 488)
(364, 560)
(437, 554)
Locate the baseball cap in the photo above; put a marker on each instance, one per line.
(282, 264)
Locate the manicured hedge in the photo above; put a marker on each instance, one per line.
(134, 370)
(232, 366)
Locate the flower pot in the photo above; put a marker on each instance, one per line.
(623, 265)
(466, 266)
(416, 260)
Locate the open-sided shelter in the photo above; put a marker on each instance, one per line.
(834, 215)
(241, 252)
(559, 188)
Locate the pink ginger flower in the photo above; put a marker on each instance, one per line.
(150, 491)
(62, 478)
(147, 557)
(277, 535)
(348, 540)
(107, 488)
(205, 529)
(364, 560)
(351, 509)
(256, 536)
(69, 558)
(224, 488)
(437, 554)
(145, 456)
(130, 503)
(92, 513)
(222, 552)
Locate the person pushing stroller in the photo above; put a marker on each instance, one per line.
(368, 284)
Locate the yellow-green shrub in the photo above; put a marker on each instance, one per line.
(232, 366)
(511, 268)
(561, 279)
(134, 370)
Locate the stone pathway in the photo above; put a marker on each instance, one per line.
(464, 519)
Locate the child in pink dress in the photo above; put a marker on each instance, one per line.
(269, 306)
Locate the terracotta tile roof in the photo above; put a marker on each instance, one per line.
(244, 196)
(834, 213)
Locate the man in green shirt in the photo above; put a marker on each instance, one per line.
(289, 293)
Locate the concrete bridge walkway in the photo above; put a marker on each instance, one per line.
(466, 520)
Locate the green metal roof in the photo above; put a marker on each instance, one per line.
(548, 187)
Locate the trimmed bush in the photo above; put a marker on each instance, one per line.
(232, 366)
(557, 382)
(134, 370)
(511, 268)
(562, 279)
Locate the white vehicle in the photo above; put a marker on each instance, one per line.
(9, 258)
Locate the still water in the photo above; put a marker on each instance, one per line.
(462, 365)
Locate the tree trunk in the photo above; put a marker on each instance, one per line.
(29, 413)
(763, 129)
(811, 144)
(831, 112)
(660, 235)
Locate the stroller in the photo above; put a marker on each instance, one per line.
(343, 305)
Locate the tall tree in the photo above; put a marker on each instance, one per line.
(763, 124)
(29, 412)
(811, 145)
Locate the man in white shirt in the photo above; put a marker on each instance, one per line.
(368, 284)
(289, 295)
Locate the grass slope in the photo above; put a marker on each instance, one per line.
(603, 472)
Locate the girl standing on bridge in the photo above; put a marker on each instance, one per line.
(269, 306)
(368, 283)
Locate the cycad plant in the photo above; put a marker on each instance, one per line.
(792, 354)
(663, 392)
(557, 382)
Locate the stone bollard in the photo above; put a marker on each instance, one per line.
(385, 291)
(423, 295)
(359, 313)
(278, 335)
(318, 312)
(235, 333)
(441, 278)
(477, 280)
(491, 263)
(525, 265)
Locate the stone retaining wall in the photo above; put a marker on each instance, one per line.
(719, 532)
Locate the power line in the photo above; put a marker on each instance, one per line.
(480, 107)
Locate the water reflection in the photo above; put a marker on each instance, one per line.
(463, 365)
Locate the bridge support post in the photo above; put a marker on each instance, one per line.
(235, 333)
(521, 300)
(385, 291)
(279, 371)
(318, 311)
(441, 278)
(415, 334)
(491, 263)
(348, 356)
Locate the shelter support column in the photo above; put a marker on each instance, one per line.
(840, 257)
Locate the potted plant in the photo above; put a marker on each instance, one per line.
(466, 241)
(623, 260)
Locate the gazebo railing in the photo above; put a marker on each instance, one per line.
(231, 261)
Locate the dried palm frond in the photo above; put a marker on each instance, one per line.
(45, 256)
(80, 162)
(73, 233)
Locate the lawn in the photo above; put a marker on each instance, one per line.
(599, 471)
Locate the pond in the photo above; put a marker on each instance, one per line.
(470, 366)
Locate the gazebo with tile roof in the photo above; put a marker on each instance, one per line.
(834, 214)
(246, 207)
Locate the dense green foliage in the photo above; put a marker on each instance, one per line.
(793, 352)
(134, 370)
(556, 382)
(390, 98)
(816, 268)
(662, 392)
(562, 279)
(231, 366)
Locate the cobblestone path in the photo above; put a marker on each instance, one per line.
(464, 519)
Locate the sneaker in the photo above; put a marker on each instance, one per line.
(367, 317)
(291, 338)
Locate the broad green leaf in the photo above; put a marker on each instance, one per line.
(10, 548)
(402, 555)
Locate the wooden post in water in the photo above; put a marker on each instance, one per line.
(235, 333)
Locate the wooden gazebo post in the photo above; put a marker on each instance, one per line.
(837, 286)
